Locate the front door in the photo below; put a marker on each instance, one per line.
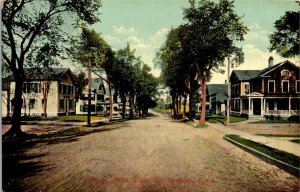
(66, 106)
(256, 107)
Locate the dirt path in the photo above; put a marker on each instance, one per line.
(155, 154)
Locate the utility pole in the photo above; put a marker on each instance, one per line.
(229, 92)
(89, 94)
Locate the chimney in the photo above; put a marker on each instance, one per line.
(271, 61)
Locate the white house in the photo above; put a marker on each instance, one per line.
(61, 94)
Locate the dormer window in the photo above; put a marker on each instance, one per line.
(285, 73)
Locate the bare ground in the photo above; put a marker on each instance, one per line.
(155, 154)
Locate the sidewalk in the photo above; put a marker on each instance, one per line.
(274, 142)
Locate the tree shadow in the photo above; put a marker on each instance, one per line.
(18, 163)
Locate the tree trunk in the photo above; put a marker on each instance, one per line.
(190, 106)
(184, 104)
(124, 107)
(131, 106)
(179, 104)
(110, 101)
(173, 106)
(203, 107)
(8, 99)
(15, 129)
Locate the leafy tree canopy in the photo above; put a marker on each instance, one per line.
(286, 40)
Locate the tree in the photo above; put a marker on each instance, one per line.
(27, 26)
(79, 84)
(286, 39)
(212, 30)
(177, 68)
(92, 48)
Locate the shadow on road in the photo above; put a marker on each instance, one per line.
(19, 162)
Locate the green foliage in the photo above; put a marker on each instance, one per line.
(212, 30)
(34, 33)
(286, 40)
(80, 83)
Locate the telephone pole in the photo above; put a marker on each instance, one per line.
(89, 94)
(229, 92)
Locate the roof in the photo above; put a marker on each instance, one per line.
(38, 74)
(216, 88)
(96, 83)
(269, 69)
(246, 74)
(251, 74)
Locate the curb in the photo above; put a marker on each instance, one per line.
(282, 165)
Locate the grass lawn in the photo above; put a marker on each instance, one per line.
(77, 118)
(278, 135)
(275, 153)
(223, 119)
(296, 141)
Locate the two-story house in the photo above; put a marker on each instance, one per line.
(274, 90)
(61, 94)
(100, 102)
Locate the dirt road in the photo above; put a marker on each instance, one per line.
(154, 154)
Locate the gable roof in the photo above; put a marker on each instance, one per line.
(251, 74)
(246, 74)
(96, 83)
(32, 74)
(269, 69)
(216, 88)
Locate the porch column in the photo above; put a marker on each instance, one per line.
(241, 106)
(265, 106)
(289, 106)
(262, 111)
(249, 106)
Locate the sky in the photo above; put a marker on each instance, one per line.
(145, 23)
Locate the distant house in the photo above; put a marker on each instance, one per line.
(100, 102)
(216, 96)
(61, 96)
(273, 91)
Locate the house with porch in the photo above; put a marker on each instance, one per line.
(58, 82)
(273, 91)
(100, 102)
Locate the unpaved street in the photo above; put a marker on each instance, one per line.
(153, 154)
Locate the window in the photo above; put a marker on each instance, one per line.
(284, 73)
(31, 103)
(31, 88)
(100, 97)
(61, 103)
(298, 86)
(66, 89)
(285, 86)
(247, 88)
(271, 86)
